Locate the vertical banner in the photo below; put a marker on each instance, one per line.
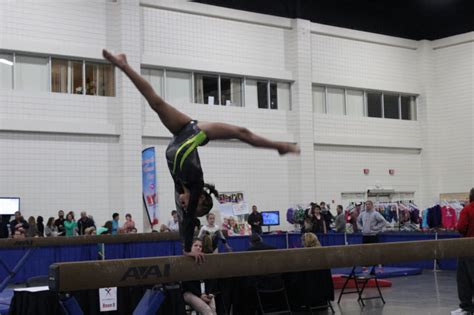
(149, 184)
(108, 299)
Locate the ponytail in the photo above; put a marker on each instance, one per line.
(207, 191)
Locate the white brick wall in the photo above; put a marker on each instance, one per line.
(83, 152)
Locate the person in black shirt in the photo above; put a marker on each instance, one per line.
(84, 223)
(18, 224)
(4, 226)
(59, 222)
(255, 220)
(319, 225)
(192, 196)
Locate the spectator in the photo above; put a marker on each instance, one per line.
(84, 223)
(106, 229)
(90, 231)
(214, 232)
(32, 230)
(50, 230)
(164, 229)
(465, 270)
(4, 226)
(340, 220)
(371, 223)
(20, 233)
(40, 226)
(355, 216)
(255, 220)
(256, 243)
(327, 216)
(319, 225)
(201, 302)
(18, 224)
(173, 224)
(60, 223)
(128, 225)
(307, 224)
(70, 225)
(234, 227)
(225, 226)
(115, 223)
(310, 240)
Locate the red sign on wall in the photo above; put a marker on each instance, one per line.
(391, 171)
(366, 171)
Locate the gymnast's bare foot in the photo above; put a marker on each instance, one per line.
(286, 147)
(120, 60)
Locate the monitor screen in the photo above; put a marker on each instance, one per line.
(9, 205)
(271, 217)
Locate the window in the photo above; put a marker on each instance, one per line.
(408, 107)
(335, 99)
(374, 104)
(155, 78)
(178, 87)
(59, 75)
(106, 80)
(262, 94)
(6, 71)
(354, 103)
(31, 73)
(76, 75)
(390, 106)
(231, 91)
(319, 99)
(284, 95)
(206, 89)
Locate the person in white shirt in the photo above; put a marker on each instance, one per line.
(214, 231)
(173, 224)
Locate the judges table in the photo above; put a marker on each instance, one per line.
(42, 257)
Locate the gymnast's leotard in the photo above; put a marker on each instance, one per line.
(185, 167)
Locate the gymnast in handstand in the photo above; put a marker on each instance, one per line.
(192, 196)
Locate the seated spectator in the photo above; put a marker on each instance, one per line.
(128, 225)
(40, 226)
(233, 227)
(225, 226)
(256, 243)
(84, 223)
(309, 288)
(18, 224)
(173, 224)
(32, 230)
(201, 301)
(90, 231)
(106, 229)
(51, 230)
(19, 234)
(164, 229)
(214, 232)
(70, 225)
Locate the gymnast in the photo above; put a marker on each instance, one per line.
(192, 196)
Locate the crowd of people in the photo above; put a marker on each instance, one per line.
(65, 225)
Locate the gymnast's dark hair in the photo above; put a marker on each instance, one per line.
(207, 191)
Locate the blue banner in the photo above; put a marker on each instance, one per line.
(149, 184)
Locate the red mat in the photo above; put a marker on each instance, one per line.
(338, 281)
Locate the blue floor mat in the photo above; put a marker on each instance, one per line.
(382, 273)
(5, 299)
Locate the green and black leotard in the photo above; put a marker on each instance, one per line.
(185, 167)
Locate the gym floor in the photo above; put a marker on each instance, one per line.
(431, 293)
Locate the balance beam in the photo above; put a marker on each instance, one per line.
(88, 239)
(72, 276)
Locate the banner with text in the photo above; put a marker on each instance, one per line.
(149, 184)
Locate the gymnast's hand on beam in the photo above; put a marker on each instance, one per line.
(119, 60)
(198, 257)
